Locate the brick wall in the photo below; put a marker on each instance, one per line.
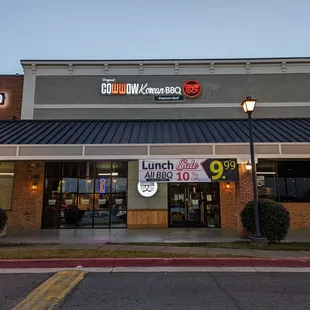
(245, 187)
(228, 205)
(300, 214)
(234, 199)
(244, 195)
(12, 86)
(27, 203)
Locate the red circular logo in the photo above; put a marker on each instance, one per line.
(191, 89)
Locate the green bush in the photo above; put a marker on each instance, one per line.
(274, 219)
(3, 219)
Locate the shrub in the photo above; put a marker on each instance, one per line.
(274, 219)
(3, 219)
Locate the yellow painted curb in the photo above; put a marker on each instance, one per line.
(52, 291)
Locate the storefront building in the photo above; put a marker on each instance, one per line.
(159, 143)
(11, 91)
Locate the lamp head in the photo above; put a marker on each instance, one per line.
(248, 105)
(248, 166)
(227, 185)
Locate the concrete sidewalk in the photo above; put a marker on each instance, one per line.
(122, 235)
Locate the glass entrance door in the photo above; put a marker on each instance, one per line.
(194, 205)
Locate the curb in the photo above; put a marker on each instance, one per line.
(155, 262)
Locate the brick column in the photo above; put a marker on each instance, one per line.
(27, 203)
(228, 198)
(244, 195)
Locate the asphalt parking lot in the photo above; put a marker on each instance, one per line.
(170, 290)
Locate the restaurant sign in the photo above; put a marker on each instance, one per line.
(147, 189)
(189, 89)
(188, 170)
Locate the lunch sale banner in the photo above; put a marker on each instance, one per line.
(188, 170)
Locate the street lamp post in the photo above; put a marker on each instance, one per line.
(248, 106)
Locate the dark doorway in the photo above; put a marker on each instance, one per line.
(194, 205)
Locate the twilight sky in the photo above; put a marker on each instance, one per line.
(137, 29)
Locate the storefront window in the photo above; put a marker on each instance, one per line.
(85, 208)
(86, 170)
(119, 169)
(69, 212)
(51, 215)
(284, 181)
(86, 185)
(119, 200)
(267, 186)
(70, 169)
(53, 169)
(6, 184)
(266, 180)
(85, 194)
(103, 169)
(69, 185)
(294, 181)
(102, 214)
(119, 185)
(52, 185)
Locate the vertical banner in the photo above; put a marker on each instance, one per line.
(102, 185)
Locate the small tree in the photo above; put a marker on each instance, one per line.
(274, 219)
(3, 219)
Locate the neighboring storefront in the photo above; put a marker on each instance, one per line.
(155, 143)
(11, 91)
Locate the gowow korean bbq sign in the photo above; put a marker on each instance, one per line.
(110, 87)
(188, 170)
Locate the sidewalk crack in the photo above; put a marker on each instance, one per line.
(226, 293)
(110, 240)
(253, 252)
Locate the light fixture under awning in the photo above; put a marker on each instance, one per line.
(113, 174)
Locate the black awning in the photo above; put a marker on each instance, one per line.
(152, 131)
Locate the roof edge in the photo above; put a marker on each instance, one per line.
(158, 120)
(162, 61)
